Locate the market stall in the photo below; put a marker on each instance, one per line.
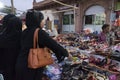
(89, 59)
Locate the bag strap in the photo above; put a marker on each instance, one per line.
(35, 38)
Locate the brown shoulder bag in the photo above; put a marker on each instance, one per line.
(38, 57)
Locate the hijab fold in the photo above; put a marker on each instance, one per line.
(33, 19)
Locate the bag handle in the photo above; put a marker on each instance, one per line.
(35, 38)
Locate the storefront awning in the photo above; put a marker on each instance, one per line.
(49, 4)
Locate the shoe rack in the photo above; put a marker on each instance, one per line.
(105, 71)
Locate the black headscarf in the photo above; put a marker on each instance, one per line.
(5, 22)
(14, 25)
(33, 19)
(13, 30)
(6, 18)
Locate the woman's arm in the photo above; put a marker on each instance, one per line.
(53, 45)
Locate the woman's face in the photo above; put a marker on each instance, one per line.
(108, 29)
(42, 23)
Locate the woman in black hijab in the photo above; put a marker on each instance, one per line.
(10, 45)
(34, 19)
(5, 22)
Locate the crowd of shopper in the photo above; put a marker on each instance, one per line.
(15, 45)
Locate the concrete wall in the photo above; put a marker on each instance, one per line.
(84, 5)
(95, 10)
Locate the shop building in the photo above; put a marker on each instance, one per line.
(88, 14)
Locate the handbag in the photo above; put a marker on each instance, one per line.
(38, 57)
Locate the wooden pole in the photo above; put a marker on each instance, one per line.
(12, 5)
